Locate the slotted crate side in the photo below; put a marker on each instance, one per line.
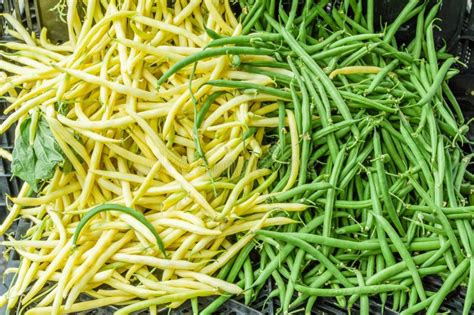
(8, 184)
(25, 11)
(13, 262)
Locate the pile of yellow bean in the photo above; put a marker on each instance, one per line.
(132, 144)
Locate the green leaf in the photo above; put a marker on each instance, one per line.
(47, 151)
(24, 158)
(36, 163)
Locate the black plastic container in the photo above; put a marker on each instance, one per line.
(8, 185)
(455, 31)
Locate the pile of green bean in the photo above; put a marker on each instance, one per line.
(378, 156)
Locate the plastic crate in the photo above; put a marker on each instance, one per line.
(8, 184)
(13, 262)
(461, 43)
(456, 31)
